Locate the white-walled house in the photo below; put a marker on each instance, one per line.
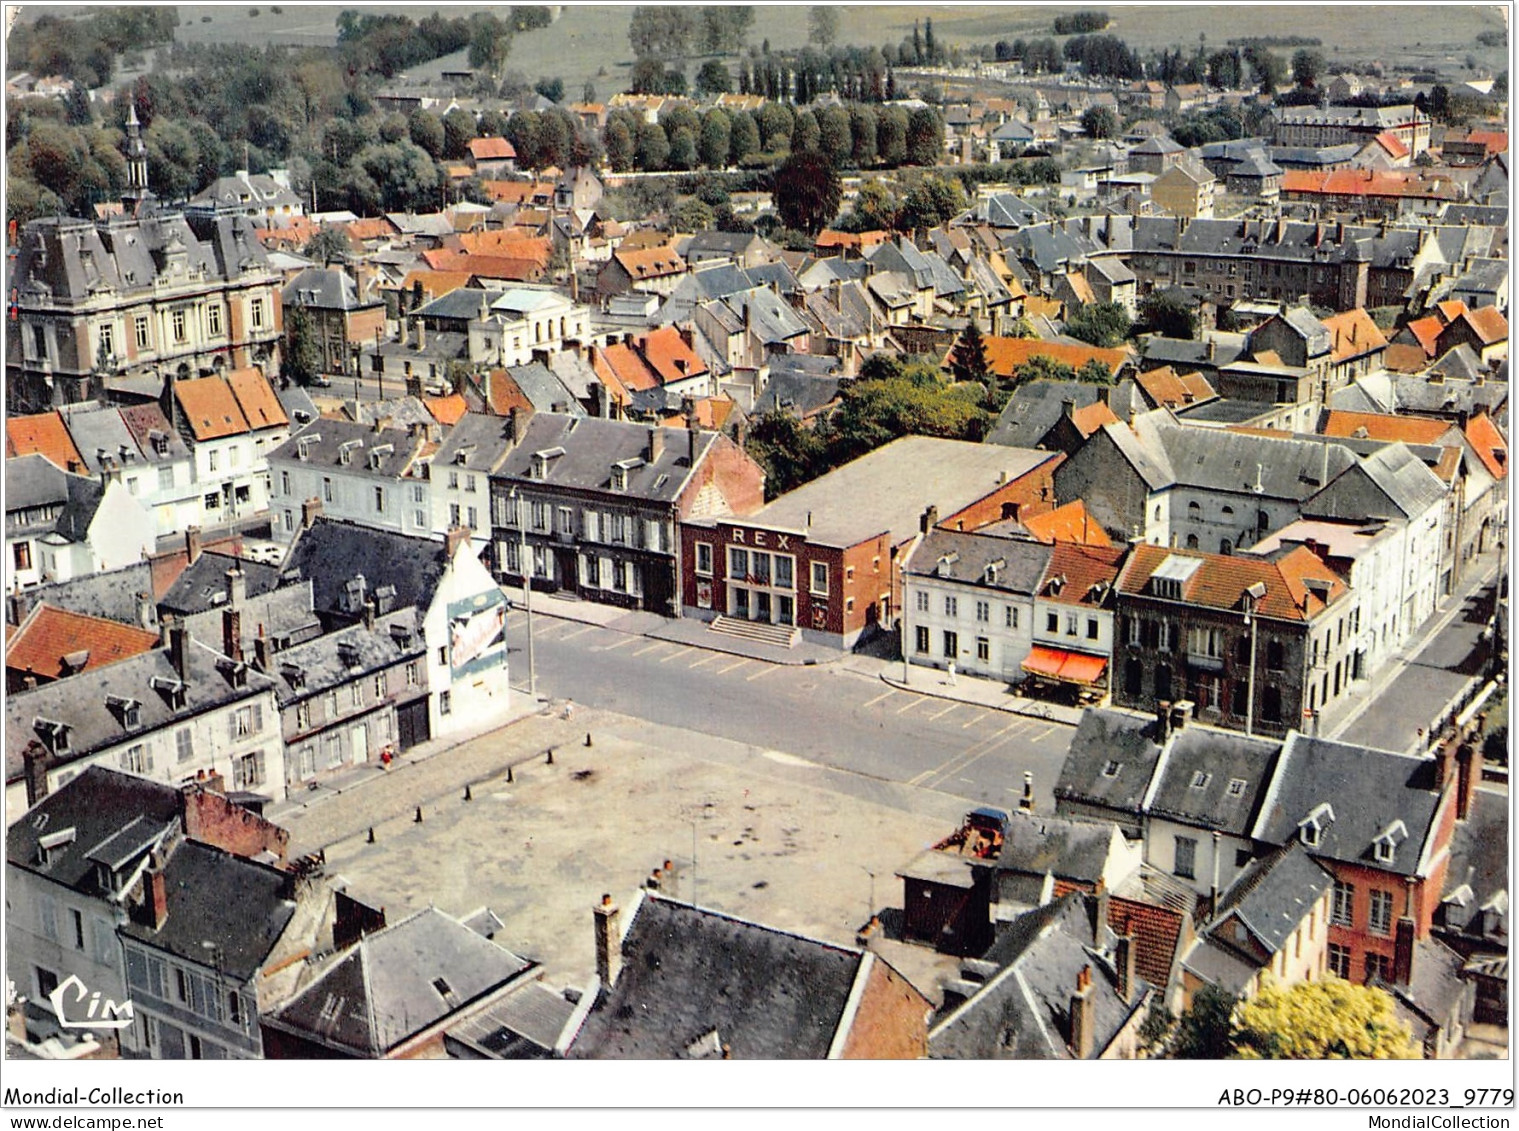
(367, 474)
(969, 600)
(60, 526)
(231, 424)
(458, 478)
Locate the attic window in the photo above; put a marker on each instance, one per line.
(129, 711)
(1200, 780)
(47, 845)
(1387, 841)
(345, 450)
(1311, 828)
(348, 654)
(946, 564)
(294, 674)
(55, 734)
(400, 635)
(442, 986)
(1236, 787)
(1111, 769)
(174, 689)
(378, 454)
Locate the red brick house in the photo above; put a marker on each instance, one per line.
(825, 559)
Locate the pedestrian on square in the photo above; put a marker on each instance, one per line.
(952, 673)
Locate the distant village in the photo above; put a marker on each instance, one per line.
(285, 490)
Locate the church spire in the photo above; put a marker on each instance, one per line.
(137, 160)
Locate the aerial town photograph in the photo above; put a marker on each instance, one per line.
(756, 532)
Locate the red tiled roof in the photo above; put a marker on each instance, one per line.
(46, 435)
(666, 352)
(1426, 331)
(1221, 580)
(255, 396)
(503, 394)
(1155, 931)
(1368, 182)
(1383, 426)
(491, 149)
(436, 284)
(1070, 523)
(1491, 448)
(517, 192)
(1354, 334)
(1494, 141)
(446, 410)
(370, 228)
(649, 263)
(1449, 310)
(1089, 418)
(1004, 355)
(1170, 389)
(210, 407)
(629, 368)
(1489, 323)
(829, 238)
(51, 634)
(1393, 144)
(505, 241)
(1403, 358)
(1084, 569)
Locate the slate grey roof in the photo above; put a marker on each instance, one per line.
(543, 389)
(332, 552)
(84, 498)
(1390, 482)
(1283, 467)
(1275, 893)
(966, 558)
(386, 453)
(1368, 790)
(825, 271)
(147, 424)
(387, 987)
(720, 243)
(1158, 145)
(1149, 461)
(1067, 849)
(102, 438)
(245, 189)
(463, 304)
(335, 659)
(1315, 335)
(886, 491)
(1008, 210)
(1313, 157)
(769, 316)
(1184, 353)
(1047, 247)
(591, 445)
(240, 906)
(400, 412)
(203, 584)
(299, 408)
(526, 1024)
(1298, 241)
(1197, 775)
(111, 595)
(442, 345)
(34, 481)
(1023, 1011)
(97, 805)
(1479, 864)
(797, 391)
(79, 702)
(687, 972)
(476, 442)
(1034, 408)
(1107, 740)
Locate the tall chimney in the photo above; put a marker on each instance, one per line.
(1162, 720)
(1403, 941)
(1468, 776)
(518, 420)
(311, 510)
(179, 648)
(656, 443)
(145, 614)
(930, 519)
(232, 634)
(608, 943)
(1068, 407)
(1083, 1016)
(155, 896)
(237, 587)
(457, 536)
(261, 651)
(192, 544)
(1123, 962)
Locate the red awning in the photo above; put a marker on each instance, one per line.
(1070, 667)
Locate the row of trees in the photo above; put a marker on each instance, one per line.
(669, 31)
(859, 135)
(84, 48)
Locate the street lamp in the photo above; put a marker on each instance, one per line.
(519, 511)
(1253, 595)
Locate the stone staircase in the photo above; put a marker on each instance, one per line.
(779, 635)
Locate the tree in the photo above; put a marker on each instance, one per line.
(934, 200)
(1094, 372)
(807, 192)
(822, 26)
(713, 78)
(790, 453)
(874, 412)
(743, 138)
(1099, 122)
(835, 140)
(426, 130)
(693, 215)
(925, 137)
(1330, 1019)
(490, 45)
(1307, 66)
(552, 89)
(458, 132)
(327, 246)
(1169, 314)
(682, 149)
(619, 146)
(716, 131)
(1103, 324)
(970, 356)
(652, 147)
(862, 134)
(301, 359)
(1043, 367)
(875, 208)
(1203, 1032)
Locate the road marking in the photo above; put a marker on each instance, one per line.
(764, 671)
(944, 712)
(656, 646)
(731, 667)
(707, 659)
(580, 632)
(911, 705)
(974, 721)
(623, 643)
(1042, 735)
(881, 698)
(675, 655)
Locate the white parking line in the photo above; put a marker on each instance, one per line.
(885, 695)
(1042, 735)
(731, 667)
(707, 659)
(579, 632)
(674, 655)
(762, 673)
(974, 721)
(904, 709)
(623, 643)
(656, 646)
(947, 710)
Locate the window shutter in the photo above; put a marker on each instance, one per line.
(258, 768)
(147, 757)
(258, 718)
(47, 911)
(232, 724)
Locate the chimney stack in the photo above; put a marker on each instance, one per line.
(261, 651)
(237, 587)
(1083, 1016)
(608, 943)
(1181, 713)
(457, 536)
(1468, 776)
(145, 612)
(1162, 720)
(405, 330)
(1123, 962)
(421, 334)
(1068, 408)
(1403, 941)
(311, 510)
(192, 544)
(656, 443)
(518, 419)
(155, 894)
(930, 519)
(232, 634)
(179, 648)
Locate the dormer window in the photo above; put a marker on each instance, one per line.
(1385, 846)
(1200, 780)
(400, 635)
(48, 846)
(129, 711)
(1111, 769)
(992, 570)
(294, 674)
(946, 564)
(461, 457)
(345, 451)
(54, 733)
(348, 654)
(1236, 787)
(377, 455)
(543, 462)
(236, 673)
(174, 690)
(1311, 828)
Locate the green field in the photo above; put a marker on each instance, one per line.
(589, 39)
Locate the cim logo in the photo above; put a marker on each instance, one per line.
(100, 1013)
